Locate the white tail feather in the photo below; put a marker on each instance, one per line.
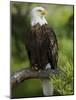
(47, 87)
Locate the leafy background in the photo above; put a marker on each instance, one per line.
(61, 19)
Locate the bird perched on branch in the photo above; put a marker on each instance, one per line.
(42, 46)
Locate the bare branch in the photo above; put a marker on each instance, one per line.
(28, 73)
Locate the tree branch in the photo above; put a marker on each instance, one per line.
(29, 73)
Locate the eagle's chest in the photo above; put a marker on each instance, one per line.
(40, 50)
(39, 46)
(40, 39)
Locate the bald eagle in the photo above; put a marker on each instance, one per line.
(41, 44)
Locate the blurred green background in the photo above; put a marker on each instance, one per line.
(61, 19)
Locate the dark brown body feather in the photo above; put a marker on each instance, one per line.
(42, 47)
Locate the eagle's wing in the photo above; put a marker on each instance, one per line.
(52, 48)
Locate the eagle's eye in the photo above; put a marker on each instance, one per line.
(39, 10)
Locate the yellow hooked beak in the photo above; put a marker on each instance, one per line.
(44, 12)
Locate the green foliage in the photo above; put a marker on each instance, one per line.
(60, 17)
(63, 83)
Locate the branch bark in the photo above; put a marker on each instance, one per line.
(29, 73)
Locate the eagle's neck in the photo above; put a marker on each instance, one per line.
(38, 20)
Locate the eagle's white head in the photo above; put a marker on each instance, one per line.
(38, 16)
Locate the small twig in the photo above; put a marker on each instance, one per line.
(28, 73)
